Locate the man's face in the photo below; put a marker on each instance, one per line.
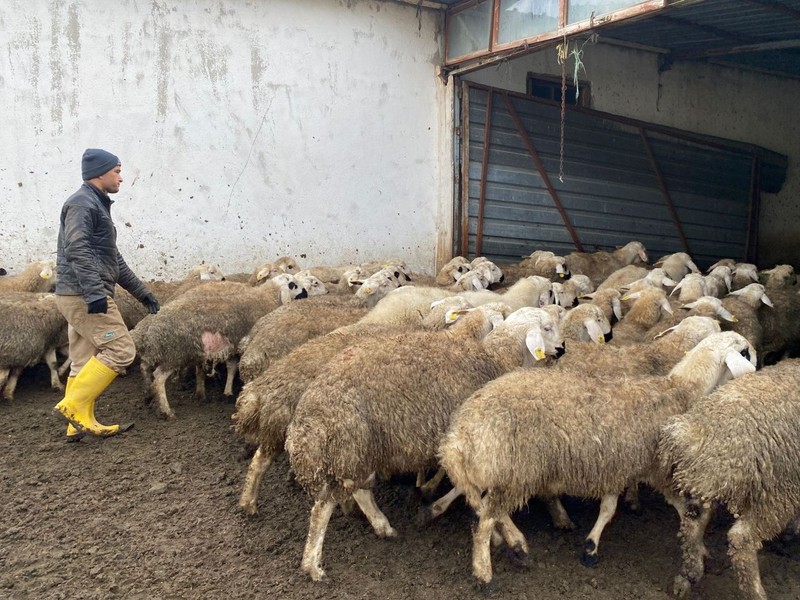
(111, 180)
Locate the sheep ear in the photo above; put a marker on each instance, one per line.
(535, 343)
(690, 305)
(616, 307)
(736, 292)
(595, 333)
(476, 283)
(454, 314)
(665, 332)
(436, 303)
(495, 319)
(678, 286)
(765, 299)
(632, 296)
(693, 267)
(723, 312)
(738, 364)
(45, 274)
(668, 282)
(666, 306)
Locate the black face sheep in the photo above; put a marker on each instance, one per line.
(599, 265)
(381, 408)
(739, 447)
(533, 433)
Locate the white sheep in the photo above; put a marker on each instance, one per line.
(382, 407)
(38, 276)
(544, 433)
(740, 448)
(691, 287)
(586, 323)
(779, 276)
(744, 304)
(648, 307)
(599, 265)
(718, 281)
(610, 300)
(656, 278)
(743, 274)
(282, 264)
(205, 325)
(624, 276)
(677, 265)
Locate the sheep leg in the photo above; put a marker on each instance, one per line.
(62, 370)
(199, 383)
(147, 374)
(481, 549)
(513, 537)
(429, 488)
(558, 513)
(608, 506)
(379, 522)
(443, 503)
(248, 501)
(312, 554)
(694, 520)
(4, 377)
(743, 549)
(632, 496)
(159, 390)
(52, 363)
(231, 368)
(11, 383)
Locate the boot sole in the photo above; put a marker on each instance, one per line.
(82, 431)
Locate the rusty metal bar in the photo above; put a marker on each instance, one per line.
(664, 191)
(487, 133)
(542, 172)
(465, 169)
(751, 242)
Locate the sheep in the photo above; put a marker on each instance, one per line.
(491, 270)
(382, 407)
(738, 447)
(586, 323)
(743, 305)
(282, 264)
(31, 330)
(655, 357)
(203, 325)
(542, 263)
(547, 433)
(624, 276)
(451, 271)
(780, 323)
(743, 274)
(718, 281)
(265, 406)
(599, 265)
(704, 306)
(475, 279)
(36, 277)
(727, 262)
(779, 276)
(408, 305)
(677, 265)
(646, 311)
(278, 332)
(656, 278)
(609, 300)
(692, 287)
(133, 311)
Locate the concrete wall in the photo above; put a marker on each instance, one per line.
(713, 100)
(246, 129)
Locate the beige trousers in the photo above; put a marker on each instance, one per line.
(103, 336)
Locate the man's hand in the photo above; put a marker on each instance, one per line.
(151, 302)
(98, 306)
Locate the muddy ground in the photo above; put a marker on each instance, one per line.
(153, 514)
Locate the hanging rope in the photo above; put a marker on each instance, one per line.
(563, 53)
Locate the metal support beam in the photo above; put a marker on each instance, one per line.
(487, 135)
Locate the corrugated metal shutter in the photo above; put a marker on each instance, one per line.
(623, 180)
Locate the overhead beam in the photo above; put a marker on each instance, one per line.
(774, 6)
(729, 50)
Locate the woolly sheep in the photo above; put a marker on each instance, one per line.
(382, 407)
(36, 277)
(655, 357)
(599, 265)
(282, 264)
(586, 323)
(743, 305)
(677, 265)
(31, 330)
(266, 404)
(718, 281)
(544, 433)
(205, 325)
(648, 307)
(451, 271)
(624, 276)
(780, 323)
(278, 332)
(609, 300)
(743, 275)
(691, 287)
(656, 278)
(739, 447)
(705, 306)
(779, 276)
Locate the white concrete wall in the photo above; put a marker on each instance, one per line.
(729, 103)
(246, 129)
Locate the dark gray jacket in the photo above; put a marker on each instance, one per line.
(88, 263)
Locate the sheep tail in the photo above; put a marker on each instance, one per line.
(247, 418)
(306, 445)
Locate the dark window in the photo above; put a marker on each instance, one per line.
(549, 88)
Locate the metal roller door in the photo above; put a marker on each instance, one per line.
(622, 180)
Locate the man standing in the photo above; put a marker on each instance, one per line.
(88, 266)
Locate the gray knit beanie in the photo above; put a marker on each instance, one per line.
(96, 162)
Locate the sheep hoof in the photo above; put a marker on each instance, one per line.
(249, 508)
(316, 573)
(424, 517)
(347, 506)
(486, 588)
(518, 555)
(681, 587)
(590, 558)
(169, 416)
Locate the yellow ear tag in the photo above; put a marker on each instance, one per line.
(625, 297)
(44, 275)
(540, 355)
(368, 290)
(601, 339)
(735, 320)
(452, 316)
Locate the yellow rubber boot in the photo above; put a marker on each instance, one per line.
(73, 435)
(78, 405)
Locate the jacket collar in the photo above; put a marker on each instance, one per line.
(104, 198)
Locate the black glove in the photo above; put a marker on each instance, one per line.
(98, 306)
(151, 302)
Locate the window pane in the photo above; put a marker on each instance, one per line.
(468, 30)
(581, 10)
(520, 19)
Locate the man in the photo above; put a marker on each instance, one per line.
(88, 266)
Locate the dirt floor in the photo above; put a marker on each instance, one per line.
(153, 514)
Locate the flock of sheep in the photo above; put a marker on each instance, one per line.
(580, 375)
